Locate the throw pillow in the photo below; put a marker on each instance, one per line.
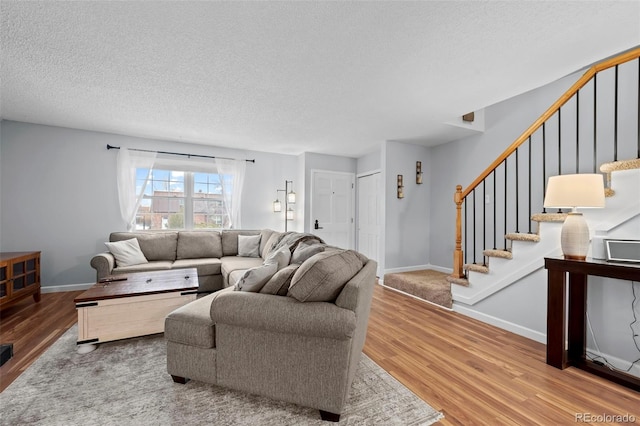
(322, 277)
(305, 251)
(279, 283)
(255, 278)
(280, 257)
(249, 245)
(127, 252)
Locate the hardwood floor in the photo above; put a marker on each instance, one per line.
(474, 373)
(32, 328)
(479, 374)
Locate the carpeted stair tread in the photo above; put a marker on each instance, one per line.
(518, 236)
(476, 267)
(425, 284)
(503, 254)
(459, 281)
(615, 166)
(549, 217)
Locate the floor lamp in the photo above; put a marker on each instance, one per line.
(289, 198)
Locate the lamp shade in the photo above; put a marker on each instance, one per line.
(291, 197)
(579, 190)
(277, 206)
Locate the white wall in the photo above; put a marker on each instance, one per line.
(407, 220)
(58, 193)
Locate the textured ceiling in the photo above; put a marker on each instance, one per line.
(289, 77)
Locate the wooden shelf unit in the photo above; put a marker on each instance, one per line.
(19, 277)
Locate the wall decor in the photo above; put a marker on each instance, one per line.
(400, 187)
(418, 172)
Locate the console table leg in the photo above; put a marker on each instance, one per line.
(556, 290)
(577, 330)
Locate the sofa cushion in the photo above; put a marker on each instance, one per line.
(234, 263)
(279, 283)
(280, 257)
(199, 244)
(155, 265)
(230, 240)
(191, 324)
(156, 245)
(127, 252)
(205, 266)
(255, 278)
(249, 245)
(265, 235)
(304, 251)
(235, 276)
(322, 276)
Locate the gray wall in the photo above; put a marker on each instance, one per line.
(369, 162)
(58, 193)
(407, 220)
(460, 162)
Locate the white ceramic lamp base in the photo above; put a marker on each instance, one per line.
(574, 238)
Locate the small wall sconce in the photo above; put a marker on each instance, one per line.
(400, 187)
(418, 172)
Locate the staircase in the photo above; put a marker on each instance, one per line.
(585, 131)
(527, 251)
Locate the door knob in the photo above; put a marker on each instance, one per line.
(316, 226)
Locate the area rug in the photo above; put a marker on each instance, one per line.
(426, 284)
(126, 383)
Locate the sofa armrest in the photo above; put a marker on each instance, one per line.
(283, 314)
(103, 263)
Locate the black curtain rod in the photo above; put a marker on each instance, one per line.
(177, 153)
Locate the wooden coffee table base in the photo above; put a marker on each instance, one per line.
(130, 314)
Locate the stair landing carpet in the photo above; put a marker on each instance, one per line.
(126, 383)
(426, 284)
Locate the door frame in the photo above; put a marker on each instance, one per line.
(380, 213)
(352, 230)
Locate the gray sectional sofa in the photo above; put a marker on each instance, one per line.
(214, 253)
(296, 337)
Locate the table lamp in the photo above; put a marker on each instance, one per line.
(579, 190)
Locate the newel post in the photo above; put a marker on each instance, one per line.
(457, 254)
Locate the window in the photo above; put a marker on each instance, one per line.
(175, 199)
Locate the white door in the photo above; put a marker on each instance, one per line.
(332, 202)
(368, 223)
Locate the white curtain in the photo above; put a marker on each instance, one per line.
(128, 162)
(231, 174)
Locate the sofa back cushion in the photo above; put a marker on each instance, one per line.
(280, 282)
(156, 245)
(199, 244)
(322, 277)
(230, 240)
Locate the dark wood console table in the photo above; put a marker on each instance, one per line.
(578, 270)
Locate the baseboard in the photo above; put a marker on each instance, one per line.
(415, 297)
(619, 363)
(67, 287)
(418, 268)
(500, 323)
(441, 269)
